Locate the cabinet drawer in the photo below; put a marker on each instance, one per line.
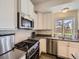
(42, 45)
(73, 43)
(62, 43)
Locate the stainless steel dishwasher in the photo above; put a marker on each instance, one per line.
(51, 46)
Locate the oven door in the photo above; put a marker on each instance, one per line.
(34, 55)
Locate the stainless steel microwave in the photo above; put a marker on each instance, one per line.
(24, 23)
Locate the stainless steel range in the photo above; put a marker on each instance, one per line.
(31, 47)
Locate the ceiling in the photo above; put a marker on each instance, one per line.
(45, 5)
(36, 2)
(39, 1)
(71, 6)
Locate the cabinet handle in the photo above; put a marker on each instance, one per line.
(73, 56)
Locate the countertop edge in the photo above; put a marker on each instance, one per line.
(58, 39)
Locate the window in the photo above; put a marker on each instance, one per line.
(64, 27)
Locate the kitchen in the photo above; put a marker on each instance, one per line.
(39, 29)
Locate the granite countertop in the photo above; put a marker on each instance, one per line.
(18, 53)
(69, 40)
(55, 38)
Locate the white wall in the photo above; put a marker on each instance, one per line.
(71, 6)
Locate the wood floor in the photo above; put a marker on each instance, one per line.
(46, 56)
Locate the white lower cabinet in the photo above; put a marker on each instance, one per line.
(73, 50)
(62, 49)
(42, 45)
(67, 49)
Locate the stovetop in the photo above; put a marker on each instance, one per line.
(25, 45)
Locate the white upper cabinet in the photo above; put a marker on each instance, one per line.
(43, 22)
(30, 9)
(47, 21)
(27, 9)
(24, 7)
(8, 14)
(35, 21)
(38, 21)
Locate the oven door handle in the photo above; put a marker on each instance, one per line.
(33, 53)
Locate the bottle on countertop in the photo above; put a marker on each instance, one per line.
(33, 34)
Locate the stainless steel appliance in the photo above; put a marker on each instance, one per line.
(51, 46)
(6, 46)
(31, 47)
(24, 23)
(33, 52)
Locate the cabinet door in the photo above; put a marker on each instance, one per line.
(40, 21)
(44, 21)
(73, 50)
(35, 21)
(24, 7)
(42, 45)
(47, 21)
(62, 49)
(27, 9)
(8, 15)
(31, 9)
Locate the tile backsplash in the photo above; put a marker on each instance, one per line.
(21, 35)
